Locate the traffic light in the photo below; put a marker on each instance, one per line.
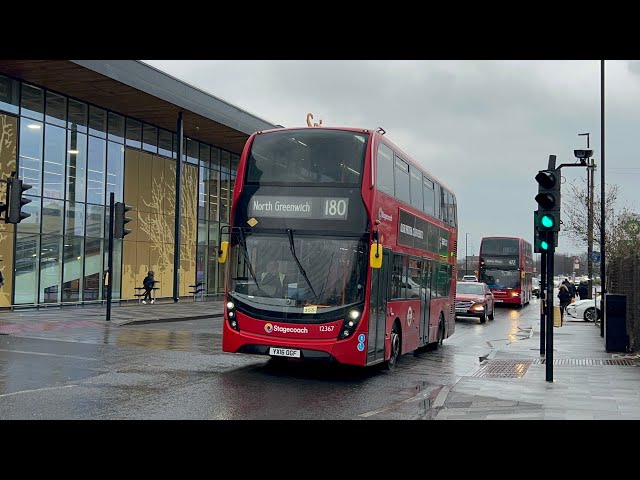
(547, 218)
(15, 200)
(120, 220)
(542, 242)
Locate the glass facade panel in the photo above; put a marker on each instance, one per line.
(205, 155)
(164, 143)
(150, 138)
(115, 171)
(95, 221)
(74, 219)
(134, 133)
(26, 268)
(116, 127)
(9, 94)
(76, 166)
(225, 186)
(50, 268)
(32, 102)
(92, 285)
(30, 161)
(55, 140)
(72, 257)
(95, 170)
(97, 122)
(32, 223)
(193, 151)
(52, 215)
(77, 116)
(56, 111)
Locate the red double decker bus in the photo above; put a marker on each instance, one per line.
(506, 266)
(340, 248)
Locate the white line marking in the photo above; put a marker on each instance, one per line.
(36, 390)
(48, 354)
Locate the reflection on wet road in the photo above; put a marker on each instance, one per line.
(178, 371)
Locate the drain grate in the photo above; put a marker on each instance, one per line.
(503, 369)
(586, 361)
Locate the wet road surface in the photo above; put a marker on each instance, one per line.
(176, 370)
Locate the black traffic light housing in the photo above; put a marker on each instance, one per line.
(15, 201)
(542, 239)
(120, 220)
(547, 218)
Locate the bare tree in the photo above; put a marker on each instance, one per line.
(575, 216)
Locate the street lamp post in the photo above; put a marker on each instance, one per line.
(466, 254)
(603, 282)
(590, 168)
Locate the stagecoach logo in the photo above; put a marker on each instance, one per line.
(276, 328)
(409, 317)
(384, 216)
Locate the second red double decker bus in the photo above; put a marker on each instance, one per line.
(506, 266)
(340, 248)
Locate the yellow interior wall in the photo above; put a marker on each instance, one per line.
(8, 149)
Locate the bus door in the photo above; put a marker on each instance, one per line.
(425, 301)
(378, 309)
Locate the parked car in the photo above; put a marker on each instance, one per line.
(588, 309)
(474, 299)
(469, 278)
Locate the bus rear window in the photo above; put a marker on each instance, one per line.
(310, 156)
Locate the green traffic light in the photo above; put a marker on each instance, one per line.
(544, 245)
(547, 221)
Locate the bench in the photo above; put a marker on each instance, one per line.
(196, 289)
(140, 293)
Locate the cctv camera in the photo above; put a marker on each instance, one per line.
(583, 154)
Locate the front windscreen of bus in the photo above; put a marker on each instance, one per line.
(315, 156)
(284, 272)
(495, 278)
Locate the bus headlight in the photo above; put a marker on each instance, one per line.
(350, 323)
(515, 294)
(231, 313)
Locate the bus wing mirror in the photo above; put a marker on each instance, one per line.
(375, 255)
(222, 252)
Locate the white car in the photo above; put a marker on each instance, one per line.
(585, 309)
(469, 278)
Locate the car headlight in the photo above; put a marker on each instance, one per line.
(479, 300)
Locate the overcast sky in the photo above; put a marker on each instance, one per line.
(483, 127)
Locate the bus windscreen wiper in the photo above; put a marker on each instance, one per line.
(246, 256)
(295, 257)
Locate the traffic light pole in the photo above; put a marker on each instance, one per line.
(110, 256)
(549, 353)
(543, 296)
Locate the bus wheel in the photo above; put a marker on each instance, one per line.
(395, 347)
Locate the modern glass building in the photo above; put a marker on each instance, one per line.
(78, 130)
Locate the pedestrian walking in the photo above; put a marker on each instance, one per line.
(565, 299)
(148, 284)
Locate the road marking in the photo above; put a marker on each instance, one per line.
(36, 390)
(48, 354)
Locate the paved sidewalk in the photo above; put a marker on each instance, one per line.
(12, 321)
(588, 383)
